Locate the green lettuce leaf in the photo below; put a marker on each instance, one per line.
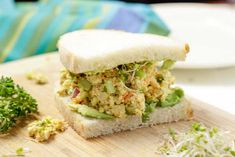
(87, 111)
(149, 108)
(167, 64)
(173, 98)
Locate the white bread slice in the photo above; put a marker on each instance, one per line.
(89, 50)
(88, 127)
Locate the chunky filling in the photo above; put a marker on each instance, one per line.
(43, 129)
(129, 89)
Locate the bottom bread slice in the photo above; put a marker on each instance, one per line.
(90, 127)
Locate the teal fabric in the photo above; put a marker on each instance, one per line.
(6, 5)
(28, 29)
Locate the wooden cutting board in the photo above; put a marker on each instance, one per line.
(141, 142)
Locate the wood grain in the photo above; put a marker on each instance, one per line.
(141, 142)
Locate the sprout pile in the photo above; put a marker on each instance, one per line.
(199, 141)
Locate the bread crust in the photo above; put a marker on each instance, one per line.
(88, 127)
(89, 50)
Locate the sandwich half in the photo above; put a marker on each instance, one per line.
(115, 81)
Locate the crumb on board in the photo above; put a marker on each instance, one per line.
(42, 130)
(39, 78)
(20, 151)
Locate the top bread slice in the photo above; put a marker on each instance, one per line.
(91, 50)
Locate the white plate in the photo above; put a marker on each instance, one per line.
(208, 28)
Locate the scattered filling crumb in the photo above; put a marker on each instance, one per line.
(18, 152)
(22, 151)
(39, 78)
(41, 130)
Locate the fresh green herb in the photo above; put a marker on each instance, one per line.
(137, 65)
(149, 63)
(109, 88)
(182, 148)
(173, 98)
(227, 149)
(213, 131)
(90, 112)
(232, 152)
(198, 142)
(123, 76)
(15, 102)
(133, 69)
(160, 79)
(172, 134)
(140, 73)
(85, 84)
(149, 108)
(167, 64)
(20, 151)
(198, 127)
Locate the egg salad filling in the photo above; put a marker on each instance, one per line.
(128, 89)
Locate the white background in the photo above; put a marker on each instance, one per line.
(209, 71)
(213, 86)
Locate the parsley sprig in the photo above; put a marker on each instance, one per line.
(15, 102)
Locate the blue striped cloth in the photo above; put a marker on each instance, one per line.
(28, 29)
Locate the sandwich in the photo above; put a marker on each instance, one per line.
(114, 81)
